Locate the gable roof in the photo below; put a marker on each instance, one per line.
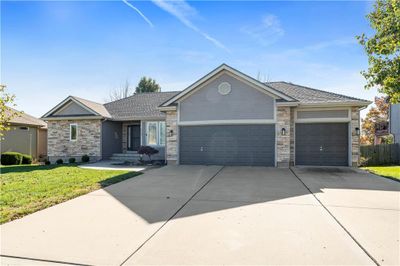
(24, 118)
(231, 70)
(307, 95)
(139, 106)
(97, 109)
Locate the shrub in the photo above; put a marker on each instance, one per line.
(71, 160)
(11, 158)
(47, 162)
(147, 150)
(26, 159)
(85, 158)
(59, 161)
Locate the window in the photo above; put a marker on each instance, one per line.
(161, 134)
(152, 133)
(155, 133)
(24, 128)
(73, 132)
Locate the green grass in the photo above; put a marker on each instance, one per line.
(28, 188)
(386, 171)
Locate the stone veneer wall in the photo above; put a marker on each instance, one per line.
(88, 142)
(172, 144)
(355, 139)
(283, 141)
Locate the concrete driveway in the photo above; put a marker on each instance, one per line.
(218, 215)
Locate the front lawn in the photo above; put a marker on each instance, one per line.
(25, 189)
(386, 171)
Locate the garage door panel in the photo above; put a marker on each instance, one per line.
(332, 138)
(227, 145)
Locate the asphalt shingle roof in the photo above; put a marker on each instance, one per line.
(138, 106)
(145, 105)
(24, 119)
(97, 107)
(309, 95)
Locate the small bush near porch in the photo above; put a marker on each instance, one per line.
(29, 188)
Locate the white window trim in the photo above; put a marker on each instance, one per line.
(159, 133)
(157, 123)
(70, 133)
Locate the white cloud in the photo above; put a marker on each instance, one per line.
(268, 32)
(184, 12)
(139, 12)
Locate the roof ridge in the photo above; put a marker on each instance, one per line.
(80, 98)
(135, 94)
(319, 90)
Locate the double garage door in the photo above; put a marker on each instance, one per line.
(227, 145)
(322, 144)
(315, 144)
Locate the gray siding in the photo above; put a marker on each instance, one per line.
(111, 138)
(227, 145)
(72, 109)
(19, 140)
(243, 102)
(323, 114)
(395, 121)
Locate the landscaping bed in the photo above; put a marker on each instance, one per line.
(28, 188)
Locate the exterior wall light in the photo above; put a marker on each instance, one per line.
(170, 133)
(357, 131)
(283, 131)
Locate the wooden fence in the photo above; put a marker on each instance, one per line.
(382, 154)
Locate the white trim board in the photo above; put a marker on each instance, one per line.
(227, 122)
(61, 105)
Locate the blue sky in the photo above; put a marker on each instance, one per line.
(50, 49)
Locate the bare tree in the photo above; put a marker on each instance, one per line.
(262, 77)
(121, 92)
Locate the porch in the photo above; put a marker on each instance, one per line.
(122, 139)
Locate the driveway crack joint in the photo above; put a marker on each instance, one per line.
(175, 213)
(336, 220)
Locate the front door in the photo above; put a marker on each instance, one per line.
(133, 137)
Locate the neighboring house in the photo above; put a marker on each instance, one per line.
(394, 121)
(224, 118)
(27, 135)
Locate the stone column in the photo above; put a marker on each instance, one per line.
(172, 134)
(292, 137)
(283, 141)
(355, 139)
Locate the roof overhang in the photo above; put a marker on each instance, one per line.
(47, 115)
(227, 69)
(332, 104)
(94, 117)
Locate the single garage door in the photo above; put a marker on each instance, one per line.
(322, 144)
(227, 145)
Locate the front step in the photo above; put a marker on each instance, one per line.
(126, 157)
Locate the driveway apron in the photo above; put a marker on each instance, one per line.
(104, 227)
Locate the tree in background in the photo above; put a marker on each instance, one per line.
(6, 113)
(383, 49)
(120, 93)
(147, 85)
(377, 114)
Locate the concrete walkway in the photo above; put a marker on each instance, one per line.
(112, 165)
(217, 215)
